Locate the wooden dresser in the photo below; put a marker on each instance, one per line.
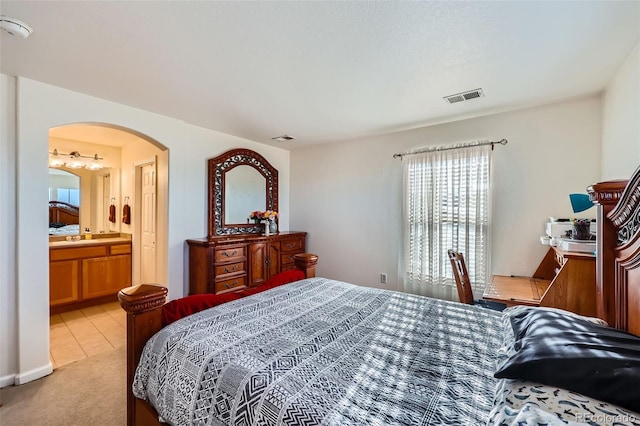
(231, 263)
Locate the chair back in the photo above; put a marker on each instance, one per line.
(465, 293)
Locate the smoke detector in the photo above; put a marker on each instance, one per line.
(15, 27)
(464, 96)
(283, 138)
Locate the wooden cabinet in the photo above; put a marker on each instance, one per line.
(232, 263)
(573, 282)
(565, 280)
(63, 282)
(81, 275)
(103, 276)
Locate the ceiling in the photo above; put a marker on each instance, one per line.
(321, 71)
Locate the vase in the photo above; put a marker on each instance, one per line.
(273, 227)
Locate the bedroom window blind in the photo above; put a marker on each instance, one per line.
(446, 206)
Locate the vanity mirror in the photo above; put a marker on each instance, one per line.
(64, 202)
(240, 181)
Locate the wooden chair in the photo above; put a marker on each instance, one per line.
(463, 282)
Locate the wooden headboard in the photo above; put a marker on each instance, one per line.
(62, 212)
(618, 252)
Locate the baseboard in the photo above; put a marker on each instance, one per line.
(7, 380)
(34, 374)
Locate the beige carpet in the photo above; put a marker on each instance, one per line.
(87, 392)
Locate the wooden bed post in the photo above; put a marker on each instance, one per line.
(605, 195)
(144, 318)
(306, 262)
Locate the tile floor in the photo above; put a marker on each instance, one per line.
(76, 335)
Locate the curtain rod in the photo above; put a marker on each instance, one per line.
(446, 148)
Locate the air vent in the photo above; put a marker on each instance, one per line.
(464, 96)
(283, 138)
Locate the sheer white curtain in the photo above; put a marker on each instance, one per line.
(446, 206)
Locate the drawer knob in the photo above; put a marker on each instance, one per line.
(227, 269)
(290, 245)
(226, 253)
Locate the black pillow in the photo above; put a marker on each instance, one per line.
(578, 355)
(57, 224)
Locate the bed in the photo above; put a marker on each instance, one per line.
(318, 351)
(64, 218)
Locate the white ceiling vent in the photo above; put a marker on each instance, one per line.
(464, 96)
(283, 138)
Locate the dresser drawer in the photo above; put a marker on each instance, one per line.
(77, 252)
(292, 245)
(120, 249)
(287, 258)
(287, 267)
(229, 268)
(232, 284)
(229, 254)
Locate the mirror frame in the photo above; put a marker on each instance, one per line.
(217, 170)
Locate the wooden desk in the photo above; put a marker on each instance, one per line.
(565, 280)
(516, 290)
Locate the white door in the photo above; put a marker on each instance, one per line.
(148, 224)
(106, 202)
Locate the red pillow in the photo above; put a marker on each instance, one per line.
(179, 308)
(184, 306)
(285, 277)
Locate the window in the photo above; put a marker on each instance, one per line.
(446, 206)
(66, 195)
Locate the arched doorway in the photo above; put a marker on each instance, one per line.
(124, 153)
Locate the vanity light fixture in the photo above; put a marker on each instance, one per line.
(74, 160)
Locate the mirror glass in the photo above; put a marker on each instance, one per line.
(244, 190)
(64, 202)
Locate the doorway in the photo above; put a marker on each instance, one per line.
(130, 178)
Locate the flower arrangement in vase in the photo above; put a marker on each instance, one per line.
(269, 216)
(258, 216)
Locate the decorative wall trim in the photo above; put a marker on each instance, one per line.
(8, 380)
(33, 374)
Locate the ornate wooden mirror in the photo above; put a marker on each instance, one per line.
(240, 181)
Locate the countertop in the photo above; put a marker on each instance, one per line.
(91, 242)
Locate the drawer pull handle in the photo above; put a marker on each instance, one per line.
(226, 253)
(291, 245)
(235, 268)
(233, 284)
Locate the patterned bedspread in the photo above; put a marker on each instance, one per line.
(320, 351)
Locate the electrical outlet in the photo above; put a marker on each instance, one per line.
(383, 278)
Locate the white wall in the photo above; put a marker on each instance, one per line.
(8, 295)
(621, 120)
(24, 354)
(348, 195)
